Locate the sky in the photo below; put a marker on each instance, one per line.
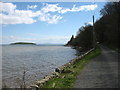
(45, 22)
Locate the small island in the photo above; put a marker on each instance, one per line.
(22, 43)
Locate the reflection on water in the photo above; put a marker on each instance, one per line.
(37, 61)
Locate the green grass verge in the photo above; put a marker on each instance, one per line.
(66, 80)
(113, 48)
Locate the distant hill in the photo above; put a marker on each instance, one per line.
(22, 43)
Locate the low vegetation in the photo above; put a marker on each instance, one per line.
(67, 79)
(114, 48)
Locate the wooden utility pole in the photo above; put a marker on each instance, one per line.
(94, 45)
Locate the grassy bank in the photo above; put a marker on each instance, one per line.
(115, 49)
(112, 47)
(66, 80)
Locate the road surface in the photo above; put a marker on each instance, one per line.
(101, 72)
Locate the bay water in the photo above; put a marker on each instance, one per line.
(35, 60)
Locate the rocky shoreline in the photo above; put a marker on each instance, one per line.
(58, 70)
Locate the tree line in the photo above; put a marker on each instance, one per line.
(107, 29)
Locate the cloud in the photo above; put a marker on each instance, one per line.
(26, 13)
(9, 39)
(14, 16)
(51, 8)
(9, 19)
(56, 8)
(87, 23)
(77, 9)
(50, 19)
(64, 10)
(54, 39)
(55, 19)
(32, 6)
(9, 14)
(41, 40)
(46, 17)
(91, 23)
(7, 7)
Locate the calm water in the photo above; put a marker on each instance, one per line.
(37, 61)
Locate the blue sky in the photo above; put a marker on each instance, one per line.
(45, 23)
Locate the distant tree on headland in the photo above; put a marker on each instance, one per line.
(71, 40)
(83, 39)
